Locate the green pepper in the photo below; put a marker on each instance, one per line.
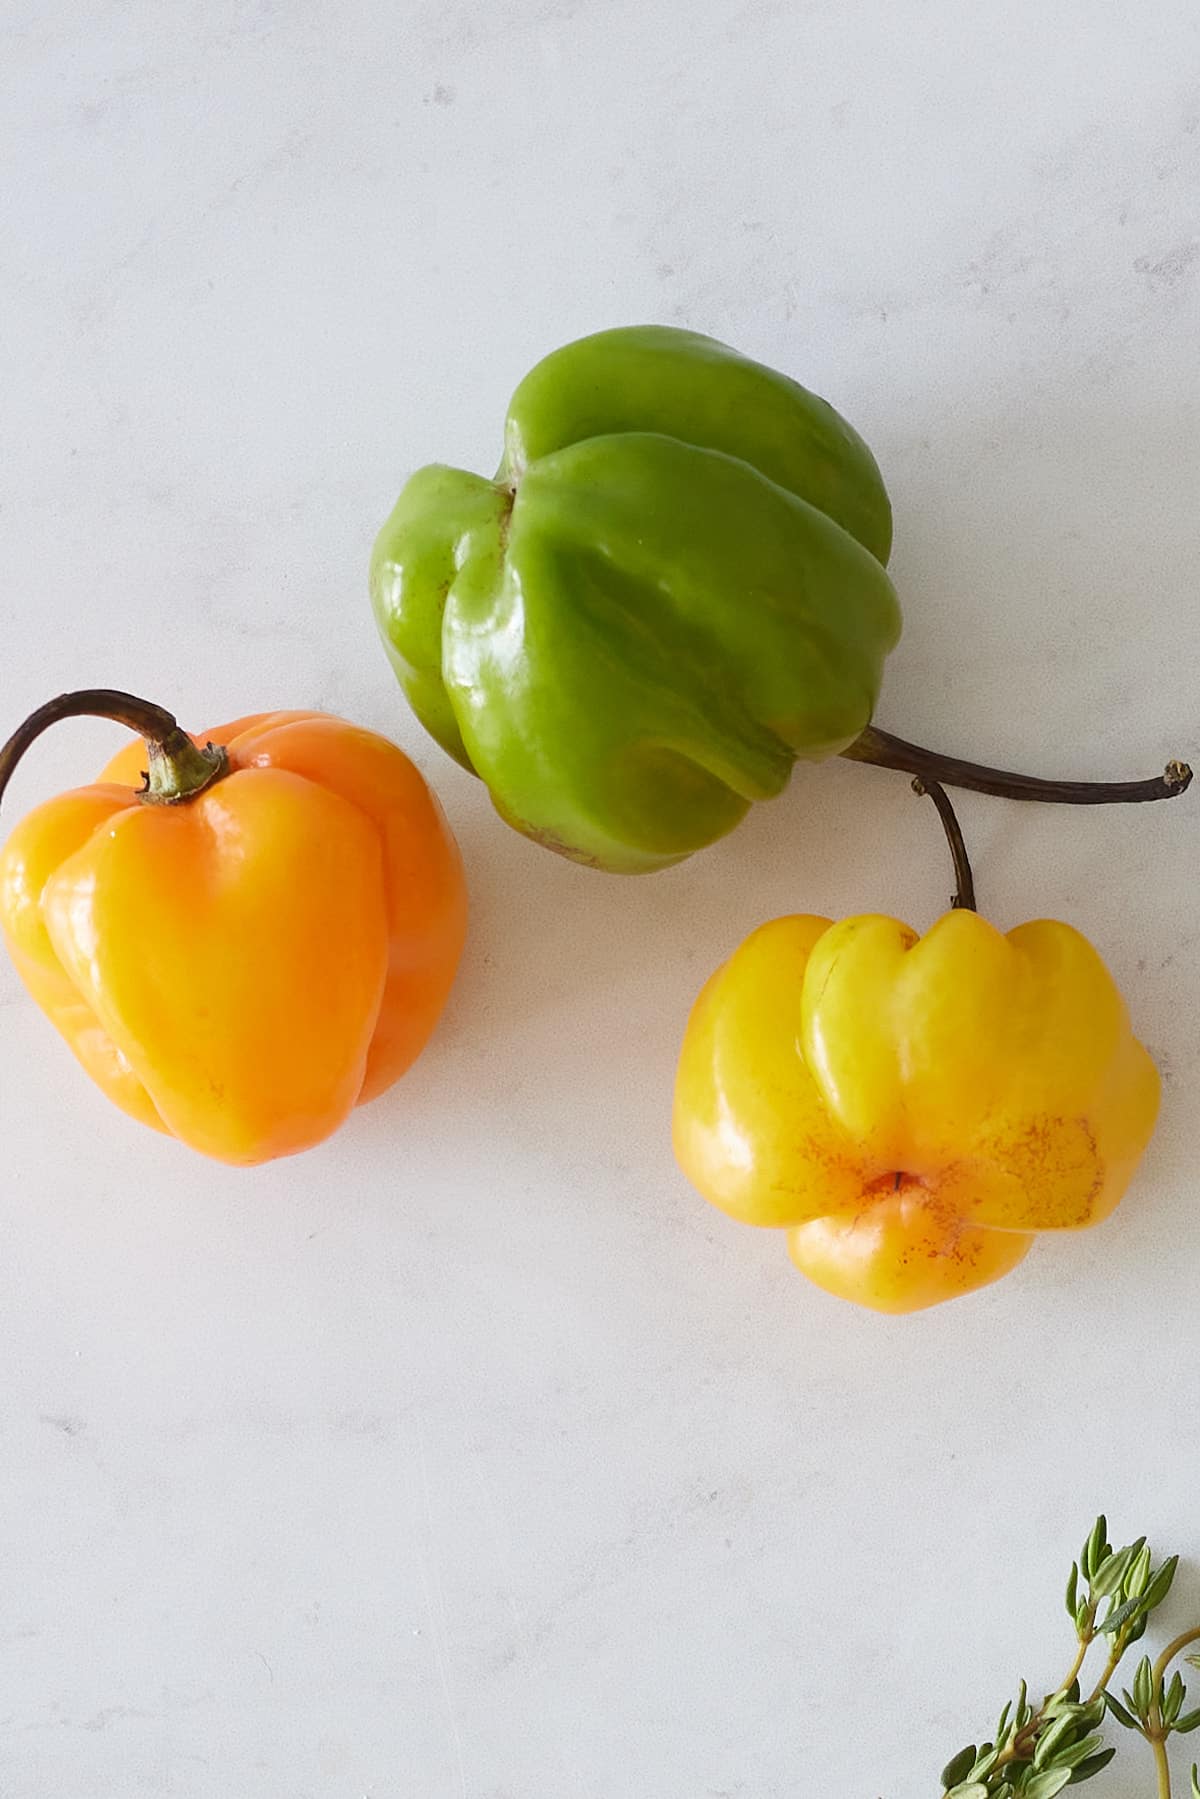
(674, 588)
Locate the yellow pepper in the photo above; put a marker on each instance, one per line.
(912, 1110)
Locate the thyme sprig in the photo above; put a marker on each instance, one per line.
(1036, 1751)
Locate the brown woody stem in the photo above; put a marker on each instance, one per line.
(964, 897)
(178, 770)
(886, 751)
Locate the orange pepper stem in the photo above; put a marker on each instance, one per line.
(964, 897)
(886, 751)
(178, 769)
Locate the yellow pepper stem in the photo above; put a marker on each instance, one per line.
(886, 751)
(177, 768)
(964, 897)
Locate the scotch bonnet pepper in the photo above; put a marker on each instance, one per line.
(912, 1110)
(250, 940)
(674, 588)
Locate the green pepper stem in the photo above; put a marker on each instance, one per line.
(886, 751)
(177, 769)
(964, 896)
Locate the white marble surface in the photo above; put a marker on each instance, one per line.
(472, 1457)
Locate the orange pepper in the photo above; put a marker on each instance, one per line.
(249, 942)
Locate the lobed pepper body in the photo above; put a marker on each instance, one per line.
(913, 1111)
(243, 969)
(673, 589)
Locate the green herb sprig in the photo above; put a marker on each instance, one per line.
(1038, 1750)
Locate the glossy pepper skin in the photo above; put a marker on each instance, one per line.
(912, 1110)
(240, 971)
(674, 587)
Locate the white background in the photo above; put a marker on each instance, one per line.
(472, 1456)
